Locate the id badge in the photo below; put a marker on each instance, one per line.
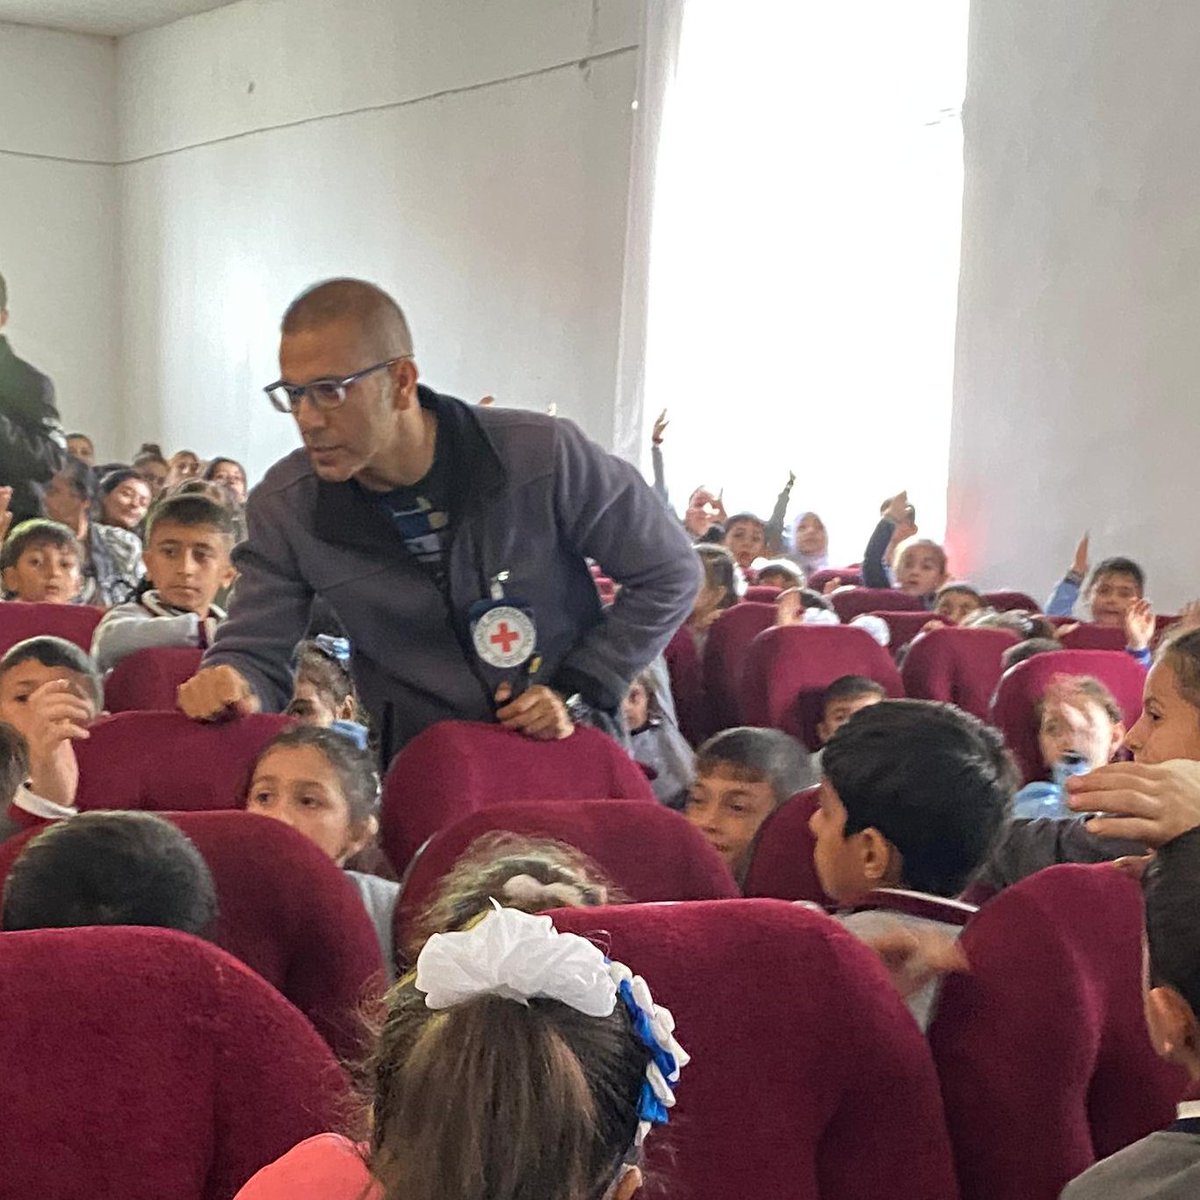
(504, 637)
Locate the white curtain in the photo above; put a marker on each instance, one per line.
(804, 172)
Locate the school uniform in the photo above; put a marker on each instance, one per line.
(28, 810)
(147, 623)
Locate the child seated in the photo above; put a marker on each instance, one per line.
(717, 593)
(742, 776)
(920, 567)
(780, 574)
(655, 742)
(955, 602)
(914, 796)
(323, 690)
(1114, 586)
(188, 540)
(842, 699)
(40, 564)
(49, 693)
(325, 786)
(746, 540)
(111, 868)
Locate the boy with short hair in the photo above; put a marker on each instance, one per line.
(188, 542)
(50, 693)
(1114, 587)
(40, 563)
(746, 540)
(842, 699)
(742, 776)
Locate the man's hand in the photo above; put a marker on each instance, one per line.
(57, 716)
(1139, 625)
(660, 427)
(538, 713)
(216, 693)
(1080, 565)
(6, 518)
(1152, 804)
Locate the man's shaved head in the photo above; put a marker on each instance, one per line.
(383, 324)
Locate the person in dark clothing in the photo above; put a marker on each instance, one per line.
(32, 446)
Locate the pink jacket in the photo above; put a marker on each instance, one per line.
(326, 1167)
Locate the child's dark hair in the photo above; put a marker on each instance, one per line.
(1027, 649)
(757, 756)
(1119, 566)
(544, 1099)
(110, 868)
(57, 653)
(321, 667)
(791, 573)
(210, 472)
(935, 781)
(647, 680)
(34, 535)
(79, 477)
(150, 452)
(850, 687)
(961, 589)
(1171, 885)
(81, 437)
(354, 768)
(811, 599)
(718, 567)
(730, 522)
(190, 510)
(1181, 652)
(534, 874)
(113, 480)
(14, 762)
(1025, 625)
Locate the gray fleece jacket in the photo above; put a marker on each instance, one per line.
(530, 495)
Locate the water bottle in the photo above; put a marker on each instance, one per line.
(1049, 799)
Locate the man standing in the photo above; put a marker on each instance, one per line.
(32, 449)
(409, 513)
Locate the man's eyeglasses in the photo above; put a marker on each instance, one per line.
(324, 393)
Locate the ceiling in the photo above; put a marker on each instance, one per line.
(113, 18)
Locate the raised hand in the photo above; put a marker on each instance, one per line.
(1139, 625)
(1081, 564)
(57, 716)
(897, 509)
(660, 427)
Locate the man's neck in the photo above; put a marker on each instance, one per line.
(408, 463)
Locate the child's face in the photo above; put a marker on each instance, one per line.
(844, 864)
(63, 503)
(18, 684)
(82, 448)
(45, 574)
(233, 477)
(636, 707)
(126, 504)
(1111, 597)
(920, 571)
(745, 541)
(729, 812)
(154, 475)
(298, 786)
(810, 535)
(838, 712)
(311, 706)
(1169, 726)
(1082, 727)
(956, 607)
(188, 565)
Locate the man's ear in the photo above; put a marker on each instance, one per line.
(1173, 1027)
(881, 862)
(404, 382)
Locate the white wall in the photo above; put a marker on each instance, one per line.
(455, 151)
(58, 217)
(1078, 359)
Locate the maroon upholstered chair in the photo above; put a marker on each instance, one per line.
(687, 684)
(649, 852)
(1087, 636)
(1007, 601)
(144, 1063)
(788, 669)
(724, 656)
(957, 666)
(1014, 710)
(854, 602)
(1042, 1049)
(73, 622)
(162, 761)
(904, 626)
(760, 593)
(904, 903)
(454, 768)
(849, 577)
(149, 680)
(287, 912)
(809, 1079)
(782, 866)
(1164, 622)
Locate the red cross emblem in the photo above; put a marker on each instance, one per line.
(504, 638)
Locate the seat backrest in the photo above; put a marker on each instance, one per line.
(687, 684)
(144, 1063)
(724, 657)
(455, 768)
(1087, 636)
(760, 593)
(854, 1113)
(919, 904)
(162, 761)
(957, 666)
(903, 626)
(789, 667)
(849, 603)
(149, 680)
(287, 912)
(73, 622)
(1007, 601)
(1014, 710)
(781, 865)
(649, 852)
(1047, 1029)
(846, 577)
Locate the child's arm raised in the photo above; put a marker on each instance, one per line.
(1066, 595)
(875, 571)
(656, 457)
(774, 526)
(57, 718)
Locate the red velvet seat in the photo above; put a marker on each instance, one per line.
(1014, 708)
(904, 903)
(686, 672)
(1163, 623)
(649, 852)
(1087, 636)
(782, 866)
(724, 656)
(145, 1064)
(73, 622)
(162, 761)
(809, 1080)
(904, 626)
(788, 669)
(1042, 1049)
(454, 768)
(957, 666)
(847, 577)
(150, 679)
(1008, 601)
(287, 912)
(759, 593)
(854, 602)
